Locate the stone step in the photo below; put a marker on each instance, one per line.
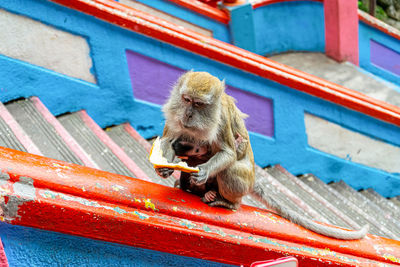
(308, 195)
(340, 206)
(279, 192)
(13, 135)
(34, 119)
(137, 149)
(8, 139)
(350, 209)
(396, 201)
(99, 146)
(383, 203)
(375, 215)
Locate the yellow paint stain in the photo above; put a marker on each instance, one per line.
(2, 219)
(391, 258)
(175, 208)
(138, 200)
(149, 205)
(62, 166)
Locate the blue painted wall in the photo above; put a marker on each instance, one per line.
(111, 101)
(32, 247)
(368, 33)
(289, 26)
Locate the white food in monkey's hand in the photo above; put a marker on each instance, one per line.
(159, 161)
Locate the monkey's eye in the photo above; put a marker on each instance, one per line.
(198, 104)
(186, 99)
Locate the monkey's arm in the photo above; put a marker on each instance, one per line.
(217, 163)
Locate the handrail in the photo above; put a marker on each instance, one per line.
(59, 196)
(261, 3)
(204, 9)
(132, 19)
(378, 24)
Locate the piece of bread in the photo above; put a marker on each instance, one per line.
(157, 159)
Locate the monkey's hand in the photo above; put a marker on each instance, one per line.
(200, 177)
(164, 172)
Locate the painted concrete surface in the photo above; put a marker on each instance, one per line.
(385, 58)
(341, 25)
(3, 258)
(346, 144)
(345, 74)
(368, 36)
(152, 81)
(112, 100)
(45, 46)
(289, 26)
(145, 8)
(32, 247)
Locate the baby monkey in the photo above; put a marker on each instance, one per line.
(195, 155)
(205, 128)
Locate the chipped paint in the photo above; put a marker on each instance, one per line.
(188, 224)
(149, 205)
(90, 203)
(62, 166)
(141, 215)
(391, 258)
(118, 188)
(99, 185)
(4, 178)
(272, 218)
(23, 191)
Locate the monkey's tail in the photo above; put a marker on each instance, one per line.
(299, 219)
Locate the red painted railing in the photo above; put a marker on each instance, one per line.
(380, 25)
(205, 9)
(58, 196)
(132, 19)
(261, 3)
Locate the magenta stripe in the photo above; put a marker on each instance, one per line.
(3, 258)
(135, 135)
(63, 133)
(118, 151)
(19, 133)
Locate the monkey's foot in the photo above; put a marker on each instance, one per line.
(224, 204)
(210, 196)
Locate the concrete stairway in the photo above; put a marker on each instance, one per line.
(27, 125)
(345, 74)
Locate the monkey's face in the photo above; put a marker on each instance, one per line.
(194, 105)
(194, 112)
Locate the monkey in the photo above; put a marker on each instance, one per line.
(200, 116)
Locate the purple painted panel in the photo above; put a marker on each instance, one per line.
(149, 78)
(385, 57)
(258, 108)
(152, 80)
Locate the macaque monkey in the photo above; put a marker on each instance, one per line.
(205, 128)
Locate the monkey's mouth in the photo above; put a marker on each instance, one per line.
(185, 125)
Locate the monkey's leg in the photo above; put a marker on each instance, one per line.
(233, 184)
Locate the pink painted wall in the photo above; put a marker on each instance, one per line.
(341, 30)
(3, 259)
